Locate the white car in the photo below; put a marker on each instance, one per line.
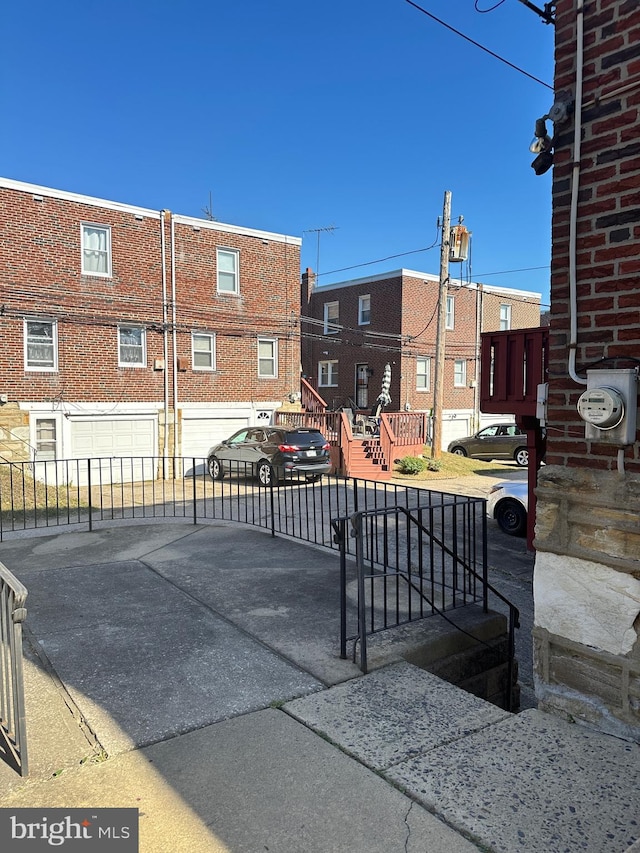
(508, 503)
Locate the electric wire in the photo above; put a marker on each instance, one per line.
(477, 44)
(490, 9)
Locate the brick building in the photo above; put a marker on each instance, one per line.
(135, 332)
(587, 572)
(351, 329)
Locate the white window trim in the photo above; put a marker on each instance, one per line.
(54, 332)
(507, 310)
(45, 416)
(93, 273)
(463, 362)
(274, 358)
(331, 373)
(212, 338)
(361, 299)
(331, 326)
(427, 388)
(450, 319)
(133, 365)
(236, 253)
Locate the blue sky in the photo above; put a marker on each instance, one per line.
(294, 115)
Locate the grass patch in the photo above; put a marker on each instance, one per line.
(24, 494)
(451, 465)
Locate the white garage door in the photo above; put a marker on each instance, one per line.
(455, 428)
(119, 443)
(199, 434)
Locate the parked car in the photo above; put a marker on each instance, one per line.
(508, 503)
(271, 453)
(498, 441)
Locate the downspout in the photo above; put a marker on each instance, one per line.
(575, 187)
(476, 390)
(174, 340)
(165, 344)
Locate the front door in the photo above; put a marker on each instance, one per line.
(362, 386)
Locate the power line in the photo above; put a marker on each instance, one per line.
(381, 260)
(477, 44)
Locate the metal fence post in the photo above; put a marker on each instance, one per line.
(89, 493)
(193, 475)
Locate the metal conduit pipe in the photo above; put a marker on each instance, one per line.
(175, 339)
(575, 187)
(165, 344)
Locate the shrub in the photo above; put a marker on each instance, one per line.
(434, 464)
(412, 465)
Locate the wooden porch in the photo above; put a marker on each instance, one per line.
(361, 446)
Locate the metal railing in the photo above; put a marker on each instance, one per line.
(412, 563)
(88, 492)
(431, 545)
(13, 596)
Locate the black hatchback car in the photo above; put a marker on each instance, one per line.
(271, 454)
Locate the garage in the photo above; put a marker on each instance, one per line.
(454, 428)
(199, 434)
(111, 439)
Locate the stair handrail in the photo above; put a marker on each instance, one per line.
(387, 440)
(310, 399)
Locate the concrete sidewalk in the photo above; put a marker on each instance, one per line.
(193, 673)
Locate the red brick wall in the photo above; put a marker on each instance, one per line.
(402, 329)
(608, 234)
(40, 276)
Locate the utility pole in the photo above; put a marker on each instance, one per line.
(438, 379)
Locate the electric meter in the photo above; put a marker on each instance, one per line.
(602, 407)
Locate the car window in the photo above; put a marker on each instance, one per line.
(239, 437)
(488, 431)
(256, 435)
(304, 435)
(511, 430)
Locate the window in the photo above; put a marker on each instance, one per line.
(132, 346)
(331, 317)
(327, 374)
(40, 345)
(450, 312)
(96, 250)
(364, 310)
(505, 317)
(203, 351)
(228, 263)
(460, 373)
(423, 374)
(267, 358)
(45, 441)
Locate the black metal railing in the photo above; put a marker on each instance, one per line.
(411, 563)
(426, 550)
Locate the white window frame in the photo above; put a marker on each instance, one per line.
(330, 323)
(272, 359)
(143, 346)
(211, 350)
(85, 251)
(364, 310)
(505, 317)
(451, 313)
(426, 360)
(37, 420)
(460, 373)
(235, 273)
(41, 368)
(328, 369)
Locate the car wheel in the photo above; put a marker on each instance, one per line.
(264, 473)
(511, 517)
(313, 478)
(522, 457)
(215, 468)
(459, 451)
